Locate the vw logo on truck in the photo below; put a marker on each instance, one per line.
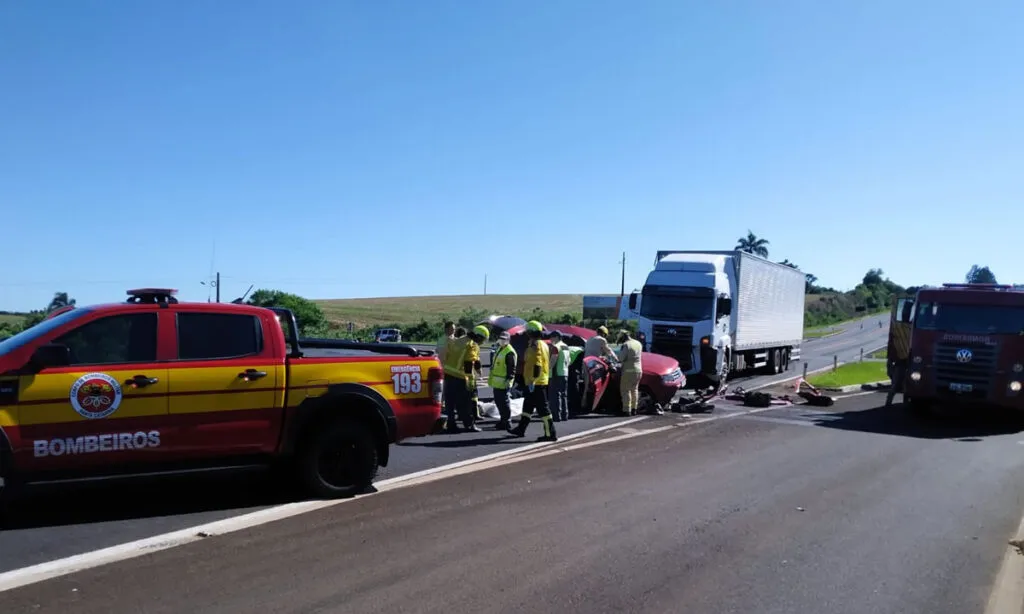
(964, 355)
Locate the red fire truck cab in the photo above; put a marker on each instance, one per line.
(966, 347)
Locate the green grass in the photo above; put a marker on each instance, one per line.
(880, 354)
(851, 374)
(378, 311)
(10, 318)
(818, 333)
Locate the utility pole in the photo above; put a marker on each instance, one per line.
(485, 284)
(218, 286)
(622, 291)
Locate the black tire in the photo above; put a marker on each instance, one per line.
(339, 460)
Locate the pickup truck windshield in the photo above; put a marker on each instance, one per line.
(680, 304)
(972, 319)
(39, 330)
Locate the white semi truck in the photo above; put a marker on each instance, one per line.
(721, 312)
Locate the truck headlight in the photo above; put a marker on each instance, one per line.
(1017, 368)
(916, 376)
(671, 376)
(1014, 386)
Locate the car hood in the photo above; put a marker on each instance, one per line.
(658, 363)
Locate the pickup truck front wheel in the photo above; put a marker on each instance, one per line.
(339, 461)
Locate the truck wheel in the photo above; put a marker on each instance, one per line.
(339, 460)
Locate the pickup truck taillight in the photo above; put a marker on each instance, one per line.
(435, 377)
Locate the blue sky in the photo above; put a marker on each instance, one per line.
(394, 148)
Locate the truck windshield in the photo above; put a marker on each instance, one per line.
(973, 319)
(31, 334)
(680, 304)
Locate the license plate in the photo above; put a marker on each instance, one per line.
(961, 387)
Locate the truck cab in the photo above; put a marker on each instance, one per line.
(685, 308)
(966, 347)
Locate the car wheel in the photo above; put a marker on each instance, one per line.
(339, 460)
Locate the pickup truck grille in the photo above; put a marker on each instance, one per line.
(674, 341)
(977, 372)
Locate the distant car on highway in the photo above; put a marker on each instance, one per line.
(661, 380)
(153, 386)
(388, 335)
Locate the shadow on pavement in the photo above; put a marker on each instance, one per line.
(896, 420)
(449, 441)
(87, 504)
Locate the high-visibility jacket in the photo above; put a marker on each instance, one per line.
(454, 358)
(537, 364)
(560, 368)
(500, 368)
(629, 356)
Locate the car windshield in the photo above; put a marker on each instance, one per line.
(970, 319)
(679, 304)
(39, 330)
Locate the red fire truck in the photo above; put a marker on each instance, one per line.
(966, 347)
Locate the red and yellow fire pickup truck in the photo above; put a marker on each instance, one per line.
(154, 386)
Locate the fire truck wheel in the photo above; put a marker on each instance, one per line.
(339, 460)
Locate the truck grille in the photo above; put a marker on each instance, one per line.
(977, 372)
(674, 341)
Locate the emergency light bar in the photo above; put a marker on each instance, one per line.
(152, 296)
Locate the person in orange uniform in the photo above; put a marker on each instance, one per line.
(536, 371)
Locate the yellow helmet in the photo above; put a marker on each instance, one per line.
(534, 326)
(482, 331)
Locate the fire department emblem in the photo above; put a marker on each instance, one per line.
(95, 395)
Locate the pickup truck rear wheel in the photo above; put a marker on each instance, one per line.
(339, 461)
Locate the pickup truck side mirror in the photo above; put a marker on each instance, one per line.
(632, 301)
(51, 355)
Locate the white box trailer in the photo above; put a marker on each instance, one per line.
(722, 311)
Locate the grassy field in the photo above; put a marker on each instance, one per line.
(377, 311)
(850, 374)
(7, 318)
(374, 311)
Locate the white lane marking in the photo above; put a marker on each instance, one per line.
(789, 421)
(1008, 590)
(88, 560)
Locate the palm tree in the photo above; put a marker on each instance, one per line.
(791, 265)
(60, 299)
(752, 244)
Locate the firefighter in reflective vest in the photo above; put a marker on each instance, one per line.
(536, 369)
(503, 371)
(461, 366)
(558, 387)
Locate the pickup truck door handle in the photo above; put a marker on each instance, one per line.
(251, 374)
(140, 381)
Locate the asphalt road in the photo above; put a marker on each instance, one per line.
(69, 522)
(856, 509)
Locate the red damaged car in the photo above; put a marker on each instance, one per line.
(661, 380)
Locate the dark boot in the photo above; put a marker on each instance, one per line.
(503, 425)
(549, 429)
(520, 430)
